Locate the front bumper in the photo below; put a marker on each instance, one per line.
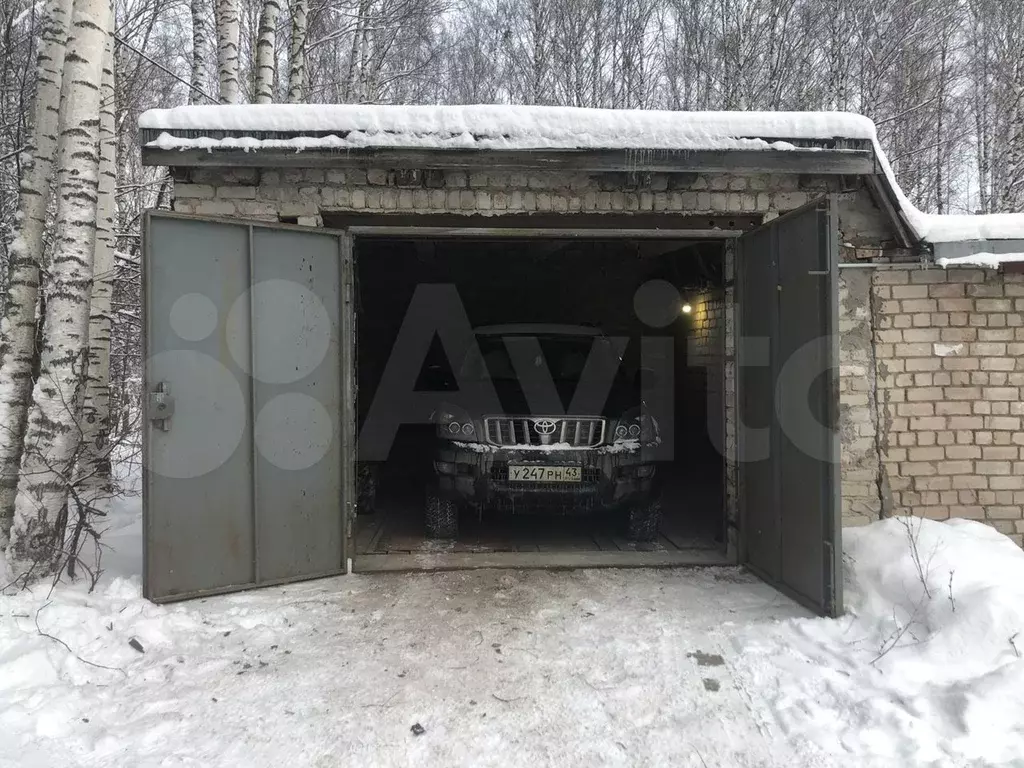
(477, 475)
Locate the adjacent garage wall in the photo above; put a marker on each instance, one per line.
(950, 362)
(938, 394)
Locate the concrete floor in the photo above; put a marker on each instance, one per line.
(691, 510)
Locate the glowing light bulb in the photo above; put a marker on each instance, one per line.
(687, 309)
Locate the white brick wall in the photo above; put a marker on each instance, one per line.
(267, 193)
(864, 495)
(949, 349)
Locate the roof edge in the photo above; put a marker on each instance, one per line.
(989, 254)
(808, 160)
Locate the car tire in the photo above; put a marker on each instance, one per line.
(643, 521)
(441, 517)
(366, 488)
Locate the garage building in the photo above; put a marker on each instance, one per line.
(762, 269)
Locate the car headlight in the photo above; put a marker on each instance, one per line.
(454, 423)
(635, 425)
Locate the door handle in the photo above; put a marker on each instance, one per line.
(161, 406)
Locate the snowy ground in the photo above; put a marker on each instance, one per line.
(500, 668)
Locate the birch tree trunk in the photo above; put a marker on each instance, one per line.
(52, 434)
(199, 44)
(297, 54)
(94, 461)
(265, 52)
(18, 328)
(227, 50)
(354, 77)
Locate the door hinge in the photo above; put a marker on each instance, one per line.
(161, 406)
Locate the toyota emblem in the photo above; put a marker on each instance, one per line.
(544, 426)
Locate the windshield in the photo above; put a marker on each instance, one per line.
(565, 356)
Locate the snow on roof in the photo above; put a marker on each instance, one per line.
(945, 227)
(948, 228)
(387, 140)
(345, 126)
(513, 127)
(982, 259)
(990, 254)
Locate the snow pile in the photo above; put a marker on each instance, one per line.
(688, 667)
(927, 666)
(483, 669)
(631, 445)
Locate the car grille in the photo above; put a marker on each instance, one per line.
(523, 431)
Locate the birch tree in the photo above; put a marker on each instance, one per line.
(198, 77)
(297, 53)
(52, 434)
(1006, 55)
(266, 58)
(94, 461)
(18, 328)
(227, 50)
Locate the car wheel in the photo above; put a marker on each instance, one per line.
(643, 521)
(441, 517)
(366, 488)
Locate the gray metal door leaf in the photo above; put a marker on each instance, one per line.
(248, 412)
(787, 400)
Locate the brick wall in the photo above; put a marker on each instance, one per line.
(707, 326)
(306, 193)
(712, 312)
(949, 351)
(703, 380)
(729, 387)
(865, 497)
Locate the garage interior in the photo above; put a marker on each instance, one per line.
(566, 281)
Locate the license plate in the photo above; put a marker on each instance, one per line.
(535, 474)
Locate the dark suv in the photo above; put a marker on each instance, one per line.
(520, 461)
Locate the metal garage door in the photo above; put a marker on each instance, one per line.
(249, 419)
(788, 446)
